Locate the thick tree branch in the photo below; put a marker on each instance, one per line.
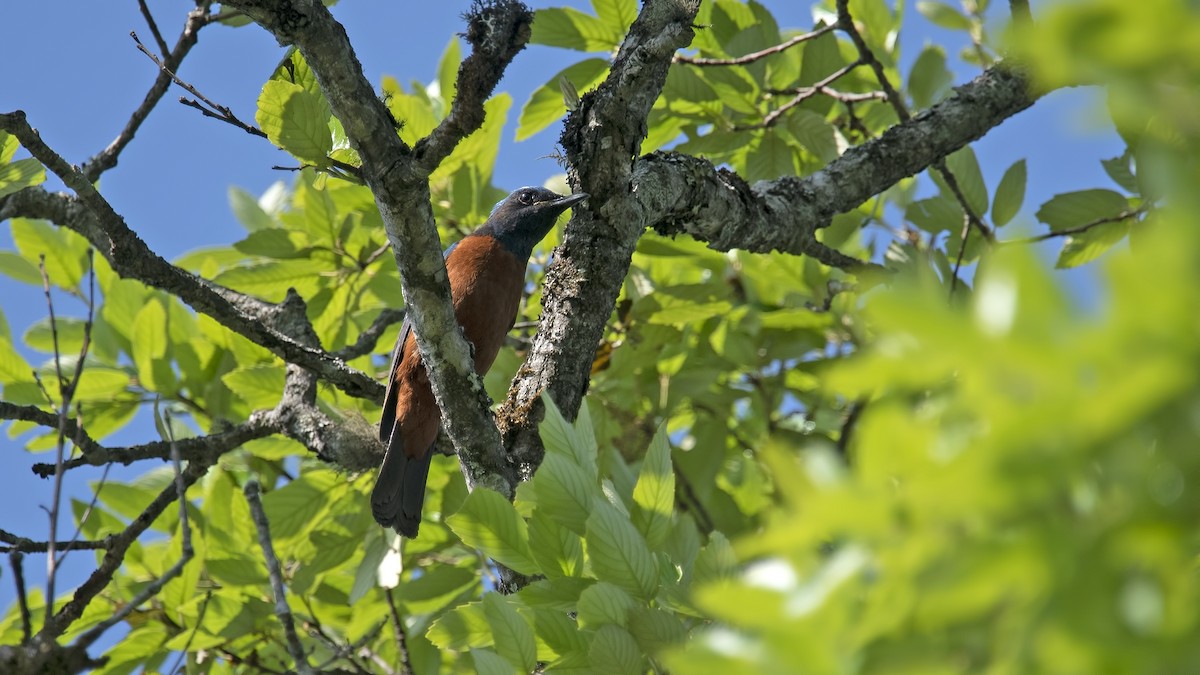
(89, 214)
(679, 194)
(602, 136)
(784, 214)
(399, 179)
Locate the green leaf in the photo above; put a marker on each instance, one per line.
(815, 133)
(965, 168)
(21, 174)
(654, 493)
(770, 157)
(572, 29)
(488, 662)
(1121, 171)
(576, 441)
(479, 150)
(943, 15)
(716, 561)
(684, 304)
(259, 386)
(616, 14)
(415, 114)
(8, 147)
(296, 120)
(557, 550)
(292, 509)
(488, 522)
(936, 214)
(603, 603)
(558, 631)
(1010, 194)
(294, 70)
(1086, 246)
(64, 251)
(614, 650)
(1075, 209)
(13, 368)
(545, 105)
(565, 492)
(464, 627)
(929, 80)
(655, 629)
(270, 280)
(20, 269)
(618, 553)
(448, 70)
(150, 348)
(248, 212)
(512, 633)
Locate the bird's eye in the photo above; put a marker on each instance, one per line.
(526, 197)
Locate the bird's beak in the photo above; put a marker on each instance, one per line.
(563, 203)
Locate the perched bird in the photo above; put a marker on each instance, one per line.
(487, 275)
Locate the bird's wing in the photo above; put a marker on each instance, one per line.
(388, 419)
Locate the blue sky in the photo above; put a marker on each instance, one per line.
(81, 76)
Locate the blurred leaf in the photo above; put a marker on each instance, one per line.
(942, 14)
(1086, 246)
(1010, 194)
(1074, 209)
(929, 80)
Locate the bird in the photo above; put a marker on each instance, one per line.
(487, 276)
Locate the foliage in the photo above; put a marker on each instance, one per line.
(779, 467)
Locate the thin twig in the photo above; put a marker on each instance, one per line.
(369, 338)
(115, 555)
(214, 110)
(853, 413)
(401, 634)
(1079, 229)
(282, 610)
(16, 543)
(755, 56)
(185, 536)
(195, 627)
(805, 93)
(162, 44)
(69, 393)
(14, 559)
(865, 54)
(107, 158)
(56, 498)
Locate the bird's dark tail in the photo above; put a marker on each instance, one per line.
(399, 490)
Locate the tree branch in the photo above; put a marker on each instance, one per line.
(282, 610)
(784, 214)
(107, 159)
(601, 137)
(399, 179)
(89, 214)
(755, 56)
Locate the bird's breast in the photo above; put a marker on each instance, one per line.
(486, 281)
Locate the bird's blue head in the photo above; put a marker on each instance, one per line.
(524, 217)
